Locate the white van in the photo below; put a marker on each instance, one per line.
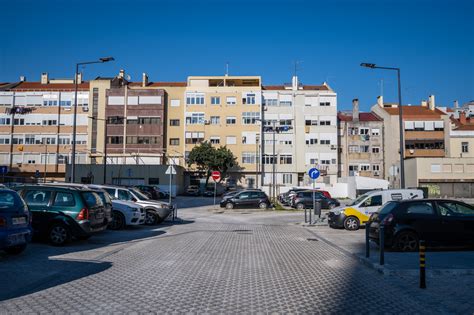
(357, 213)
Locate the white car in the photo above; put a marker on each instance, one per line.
(126, 213)
(155, 211)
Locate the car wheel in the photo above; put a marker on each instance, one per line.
(300, 206)
(15, 250)
(263, 205)
(118, 221)
(229, 205)
(406, 241)
(151, 218)
(59, 234)
(351, 223)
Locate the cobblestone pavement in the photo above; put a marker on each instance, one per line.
(217, 263)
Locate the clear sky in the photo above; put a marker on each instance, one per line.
(431, 41)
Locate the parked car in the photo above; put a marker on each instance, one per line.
(154, 192)
(192, 190)
(155, 211)
(62, 213)
(246, 199)
(437, 221)
(15, 222)
(357, 213)
(304, 200)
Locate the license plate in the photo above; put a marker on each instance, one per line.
(20, 220)
(16, 239)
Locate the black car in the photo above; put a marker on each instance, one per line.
(152, 192)
(437, 221)
(304, 200)
(246, 199)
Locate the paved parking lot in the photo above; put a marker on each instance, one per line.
(242, 262)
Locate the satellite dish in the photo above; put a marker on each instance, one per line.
(128, 77)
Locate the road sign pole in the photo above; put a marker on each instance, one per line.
(215, 189)
(314, 199)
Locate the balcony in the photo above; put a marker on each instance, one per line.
(424, 153)
(424, 135)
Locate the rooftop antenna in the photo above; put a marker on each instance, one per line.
(296, 66)
(381, 87)
(227, 69)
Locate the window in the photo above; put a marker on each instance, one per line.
(287, 178)
(230, 120)
(21, 121)
(115, 140)
(268, 159)
(353, 131)
(215, 100)
(64, 200)
(4, 121)
(270, 102)
(325, 141)
(311, 141)
(231, 140)
(464, 147)
(375, 149)
(249, 158)
(286, 159)
(174, 122)
(249, 99)
(174, 141)
(37, 197)
(353, 149)
(194, 98)
(231, 100)
(375, 132)
(353, 168)
(195, 119)
(286, 103)
(64, 140)
(374, 201)
(364, 149)
(313, 161)
(325, 123)
(124, 195)
(215, 120)
(365, 167)
(375, 167)
(420, 208)
(286, 122)
(454, 208)
(325, 162)
(4, 140)
(115, 120)
(142, 140)
(310, 122)
(29, 139)
(324, 104)
(250, 118)
(215, 140)
(149, 120)
(364, 131)
(435, 168)
(175, 103)
(286, 142)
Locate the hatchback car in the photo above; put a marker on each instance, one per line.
(154, 192)
(304, 200)
(246, 199)
(62, 213)
(15, 228)
(436, 221)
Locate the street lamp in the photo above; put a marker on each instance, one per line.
(74, 124)
(400, 118)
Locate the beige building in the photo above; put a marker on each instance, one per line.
(36, 137)
(361, 146)
(461, 136)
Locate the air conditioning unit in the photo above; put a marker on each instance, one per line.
(376, 173)
(85, 109)
(412, 151)
(333, 147)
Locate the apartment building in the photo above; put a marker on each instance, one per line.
(306, 119)
(361, 146)
(36, 126)
(225, 111)
(425, 133)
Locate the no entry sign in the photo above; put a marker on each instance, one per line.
(216, 175)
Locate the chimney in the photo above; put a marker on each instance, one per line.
(380, 101)
(22, 78)
(79, 78)
(456, 104)
(121, 74)
(294, 83)
(431, 102)
(462, 118)
(355, 110)
(44, 78)
(144, 79)
(424, 103)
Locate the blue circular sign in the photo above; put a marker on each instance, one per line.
(313, 173)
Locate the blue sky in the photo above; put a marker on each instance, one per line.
(431, 41)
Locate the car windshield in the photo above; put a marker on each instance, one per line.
(387, 208)
(358, 200)
(137, 193)
(92, 199)
(8, 201)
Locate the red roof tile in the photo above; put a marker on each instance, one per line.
(37, 86)
(362, 117)
(415, 112)
(305, 87)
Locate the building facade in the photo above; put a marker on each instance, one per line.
(36, 126)
(305, 117)
(361, 146)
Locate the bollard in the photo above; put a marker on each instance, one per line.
(382, 244)
(422, 249)
(367, 244)
(305, 216)
(317, 209)
(309, 216)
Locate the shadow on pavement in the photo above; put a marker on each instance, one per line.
(193, 201)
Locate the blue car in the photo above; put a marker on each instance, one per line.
(15, 223)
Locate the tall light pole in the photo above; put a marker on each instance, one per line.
(256, 160)
(400, 119)
(74, 123)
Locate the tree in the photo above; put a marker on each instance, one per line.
(207, 158)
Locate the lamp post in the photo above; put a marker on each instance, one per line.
(74, 123)
(400, 118)
(256, 160)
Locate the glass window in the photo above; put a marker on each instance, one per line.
(37, 197)
(124, 195)
(420, 208)
(231, 100)
(8, 201)
(110, 191)
(64, 200)
(244, 195)
(230, 120)
(454, 208)
(215, 100)
(465, 147)
(373, 201)
(92, 199)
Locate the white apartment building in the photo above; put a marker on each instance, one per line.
(307, 117)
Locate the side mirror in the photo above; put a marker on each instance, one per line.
(134, 199)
